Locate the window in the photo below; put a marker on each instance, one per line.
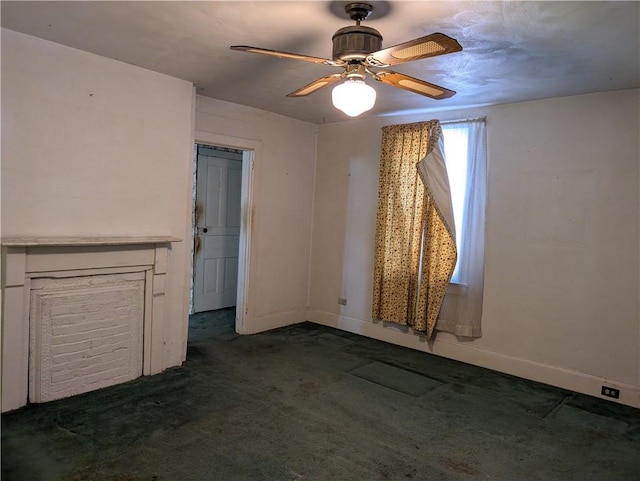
(466, 161)
(415, 248)
(456, 143)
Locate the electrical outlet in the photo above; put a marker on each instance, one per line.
(610, 392)
(342, 301)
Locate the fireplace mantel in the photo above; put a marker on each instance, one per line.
(31, 241)
(26, 260)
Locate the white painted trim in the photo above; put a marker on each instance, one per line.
(251, 149)
(222, 140)
(244, 245)
(465, 352)
(158, 309)
(34, 241)
(146, 328)
(15, 328)
(276, 320)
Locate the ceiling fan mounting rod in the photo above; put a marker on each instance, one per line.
(358, 11)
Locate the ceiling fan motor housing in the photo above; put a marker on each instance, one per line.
(355, 42)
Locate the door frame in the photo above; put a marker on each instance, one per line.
(251, 150)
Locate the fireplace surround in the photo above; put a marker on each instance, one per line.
(80, 313)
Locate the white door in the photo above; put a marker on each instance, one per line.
(218, 186)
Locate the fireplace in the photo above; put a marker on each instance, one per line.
(80, 314)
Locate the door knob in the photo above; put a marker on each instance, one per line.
(202, 230)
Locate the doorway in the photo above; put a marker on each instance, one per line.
(250, 150)
(217, 223)
(237, 150)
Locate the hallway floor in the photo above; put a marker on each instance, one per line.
(310, 403)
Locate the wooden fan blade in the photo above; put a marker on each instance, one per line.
(419, 48)
(293, 56)
(316, 85)
(413, 85)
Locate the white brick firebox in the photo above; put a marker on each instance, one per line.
(80, 314)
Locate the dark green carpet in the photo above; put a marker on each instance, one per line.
(309, 403)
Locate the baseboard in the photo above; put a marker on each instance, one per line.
(273, 321)
(465, 352)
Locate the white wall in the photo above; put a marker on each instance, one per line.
(281, 205)
(96, 147)
(562, 252)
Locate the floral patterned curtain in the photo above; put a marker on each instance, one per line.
(415, 252)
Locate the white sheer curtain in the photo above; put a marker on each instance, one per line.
(461, 310)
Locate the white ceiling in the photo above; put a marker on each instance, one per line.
(513, 51)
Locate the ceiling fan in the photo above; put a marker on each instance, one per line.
(358, 50)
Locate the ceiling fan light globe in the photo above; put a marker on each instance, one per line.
(353, 97)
